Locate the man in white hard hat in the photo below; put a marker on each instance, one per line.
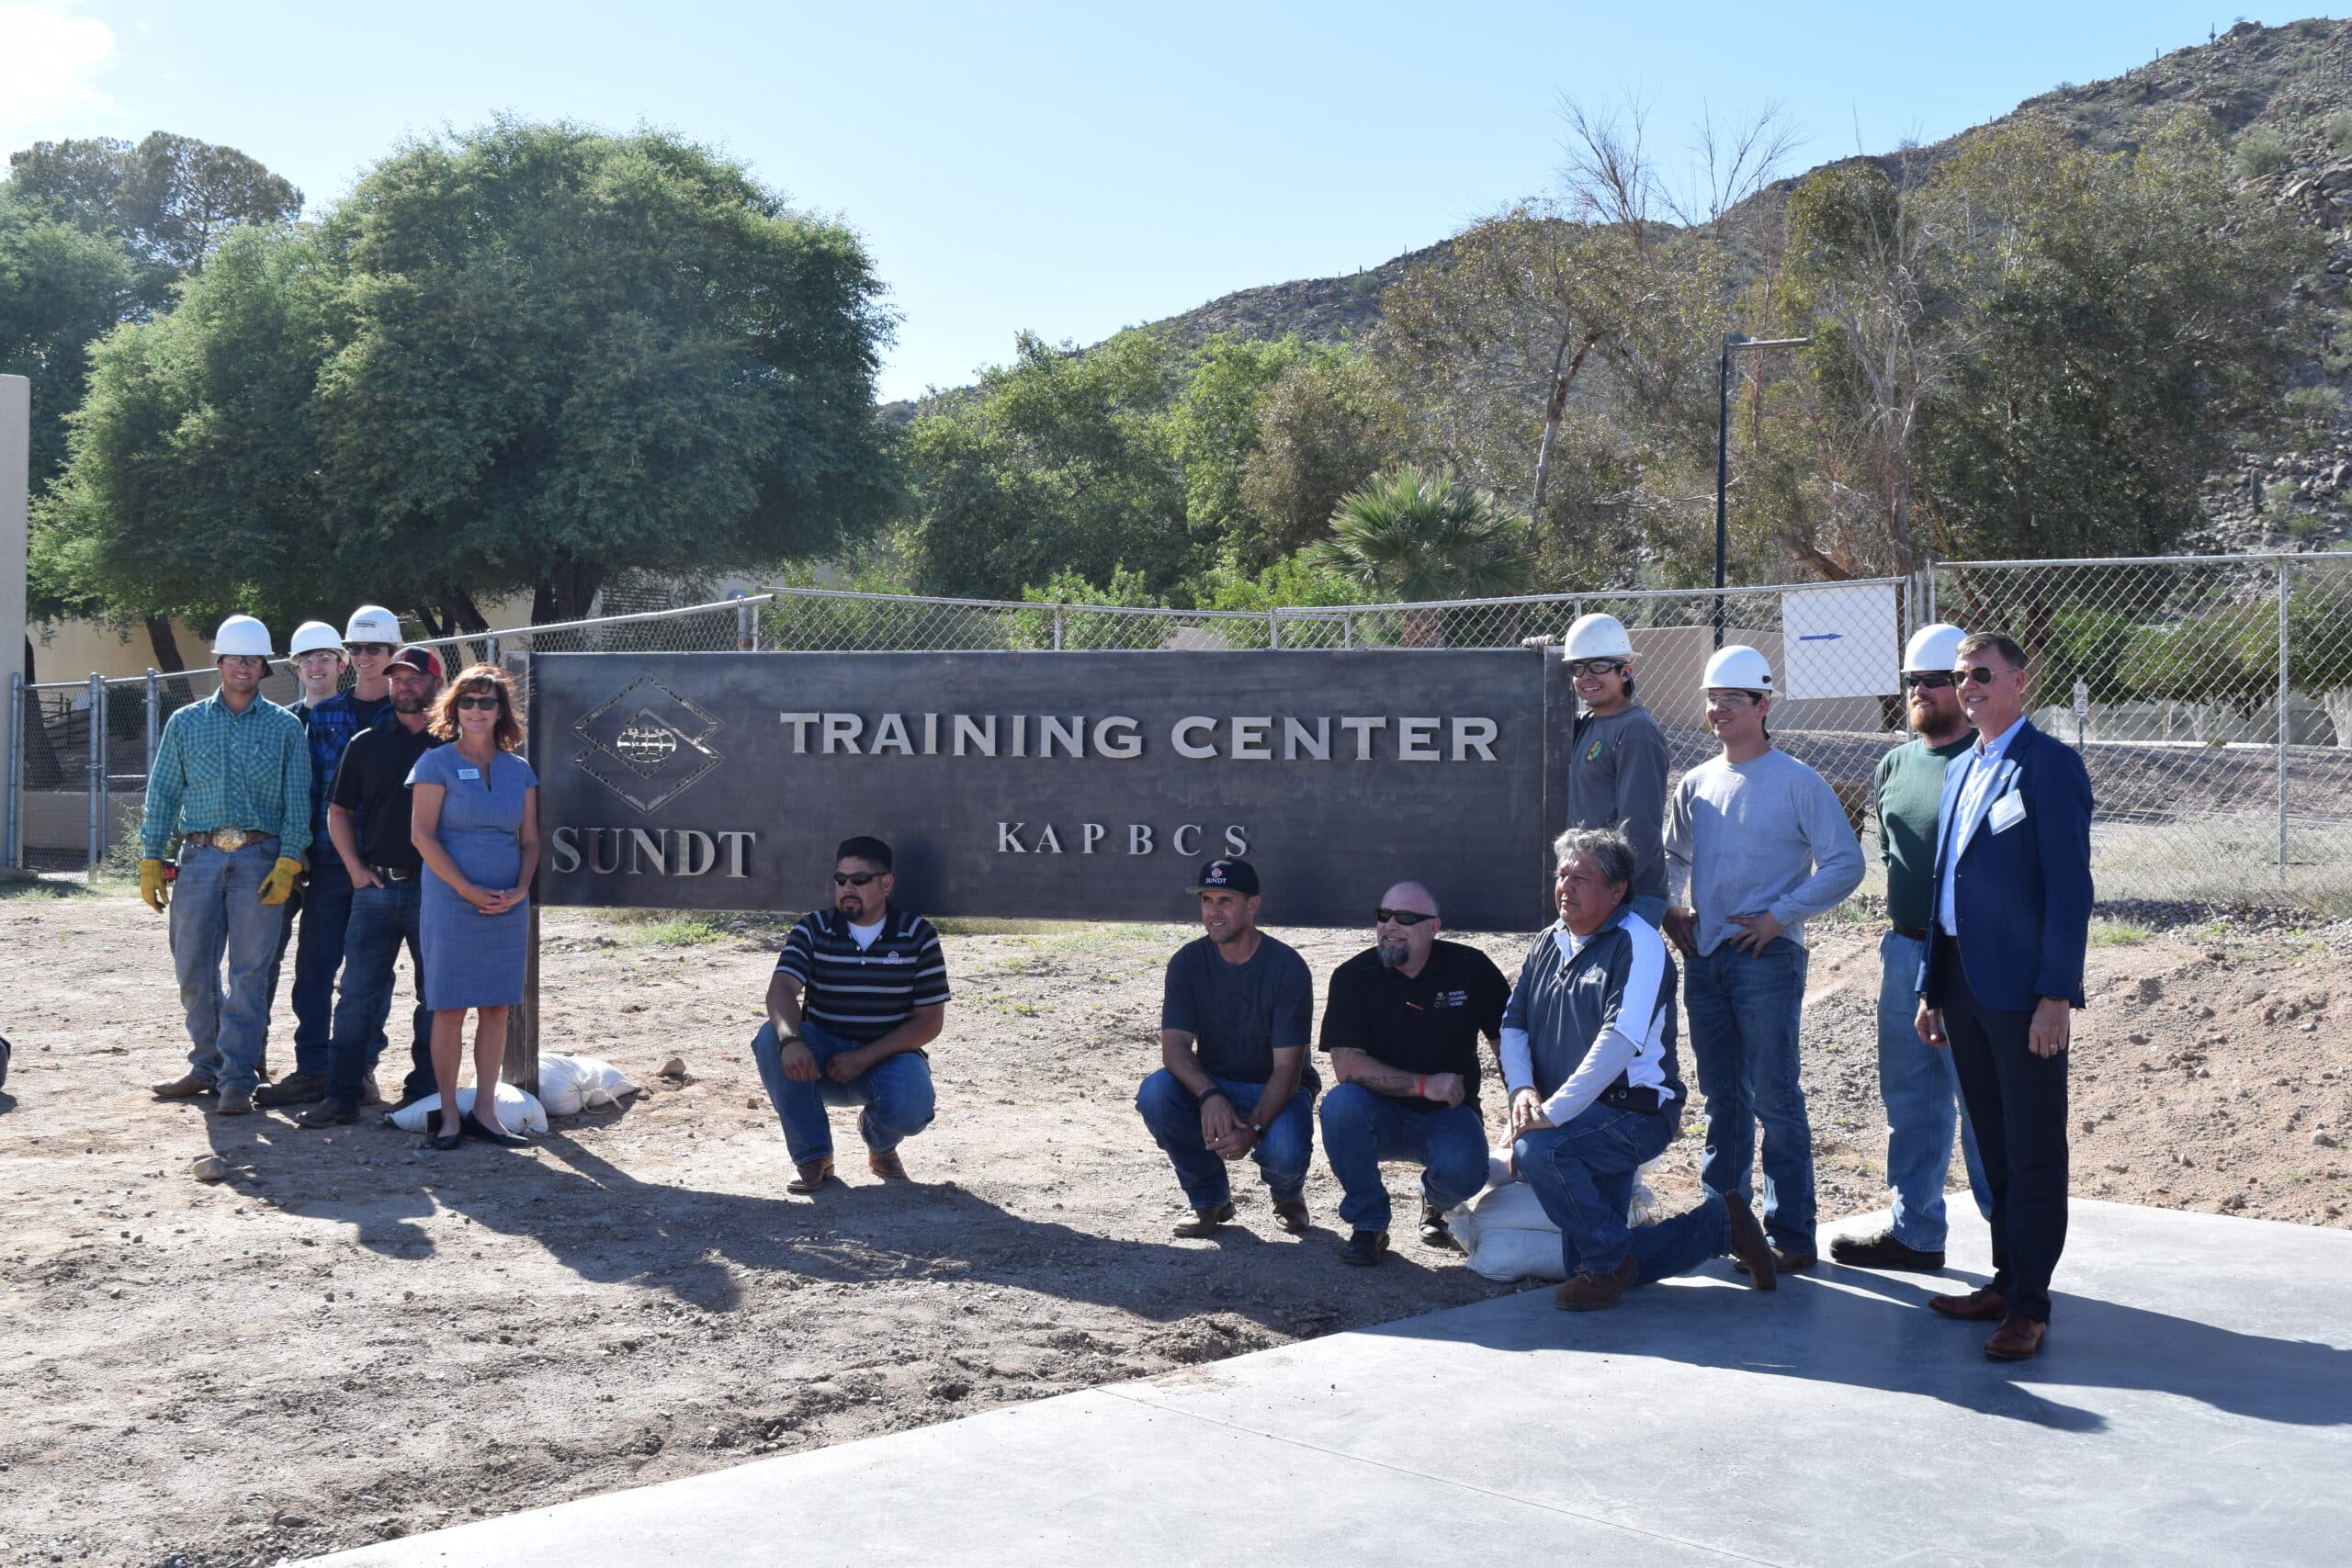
(232, 781)
(1617, 762)
(1756, 844)
(321, 905)
(1915, 1082)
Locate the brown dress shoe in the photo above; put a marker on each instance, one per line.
(813, 1176)
(889, 1166)
(1751, 1254)
(187, 1086)
(1982, 1304)
(1291, 1214)
(1589, 1291)
(234, 1103)
(2017, 1338)
(294, 1088)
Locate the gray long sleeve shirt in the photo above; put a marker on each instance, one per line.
(1617, 768)
(1766, 836)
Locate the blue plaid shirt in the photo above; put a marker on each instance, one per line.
(215, 768)
(330, 724)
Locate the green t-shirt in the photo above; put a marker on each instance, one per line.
(1909, 788)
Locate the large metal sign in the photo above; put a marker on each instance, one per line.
(1053, 786)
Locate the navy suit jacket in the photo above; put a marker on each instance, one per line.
(2021, 896)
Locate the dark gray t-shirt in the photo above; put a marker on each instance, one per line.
(1617, 768)
(1241, 1013)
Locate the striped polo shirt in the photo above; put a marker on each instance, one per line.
(862, 993)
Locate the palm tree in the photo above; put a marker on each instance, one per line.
(1412, 534)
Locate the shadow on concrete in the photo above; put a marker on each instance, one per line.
(1866, 1330)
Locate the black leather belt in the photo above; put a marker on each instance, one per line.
(385, 874)
(1916, 933)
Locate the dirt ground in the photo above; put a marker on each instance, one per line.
(351, 1338)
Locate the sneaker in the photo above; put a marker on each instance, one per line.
(326, 1113)
(1883, 1252)
(1589, 1291)
(294, 1088)
(1435, 1232)
(1364, 1248)
(1291, 1214)
(1204, 1221)
(236, 1102)
(187, 1086)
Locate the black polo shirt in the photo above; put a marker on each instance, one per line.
(371, 782)
(1429, 1023)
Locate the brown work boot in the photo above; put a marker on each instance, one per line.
(1291, 1214)
(187, 1086)
(889, 1166)
(326, 1113)
(1982, 1304)
(1589, 1291)
(813, 1176)
(1204, 1221)
(234, 1103)
(2019, 1338)
(1751, 1254)
(294, 1088)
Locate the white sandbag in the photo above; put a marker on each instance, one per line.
(1507, 1255)
(1505, 1235)
(517, 1112)
(570, 1085)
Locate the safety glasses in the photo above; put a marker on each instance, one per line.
(855, 879)
(1596, 666)
(1386, 916)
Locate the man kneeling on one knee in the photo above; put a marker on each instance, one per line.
(860, 989)
(1588, 1051)
(1402, 1026)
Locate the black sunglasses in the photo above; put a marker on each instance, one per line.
(358, 648)
(1926, 681)
(490, 701)
(1979, 674)
(855, 878)
(1400, 916)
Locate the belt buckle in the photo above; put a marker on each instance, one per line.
(229, 839)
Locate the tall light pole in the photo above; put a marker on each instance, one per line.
(1723, 446)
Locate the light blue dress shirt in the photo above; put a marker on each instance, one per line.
(1983, 767)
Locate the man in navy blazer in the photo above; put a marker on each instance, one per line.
(2003, 973)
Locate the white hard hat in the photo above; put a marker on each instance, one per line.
(373, 623)
(1599, 636)
(1933, 647)
(311, 636)
(1738, 668)
(241, 635)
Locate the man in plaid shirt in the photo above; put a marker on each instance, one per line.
(232, 782)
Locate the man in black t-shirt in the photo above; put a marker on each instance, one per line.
(1402, 1025)
(1235, 1018)
(367, 823)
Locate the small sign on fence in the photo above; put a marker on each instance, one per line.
(1843, 640)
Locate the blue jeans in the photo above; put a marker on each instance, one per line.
(383, 921)
(217, 917)
(896, 1093)
(1919, 1085)
(1744, 1013)
(1173, 1115)
(320, 909)
(1583, 1175)
(1361, 1129)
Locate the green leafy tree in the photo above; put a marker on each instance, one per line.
(1413, 535)
(60, 290)
(1330, 421)
(1215, 420)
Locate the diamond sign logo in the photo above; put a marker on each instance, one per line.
(645, 743)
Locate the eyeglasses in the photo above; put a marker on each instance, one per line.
(1979, 674)
(1926, 680)
(319, 655)
(855, 878)
(1596, 666)
(1399, 916)
(477, 701)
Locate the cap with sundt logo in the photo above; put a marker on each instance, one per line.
(1225, 875)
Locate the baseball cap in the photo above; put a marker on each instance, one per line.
(424, 660)
(1225, 875)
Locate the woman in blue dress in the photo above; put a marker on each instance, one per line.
(474, 817)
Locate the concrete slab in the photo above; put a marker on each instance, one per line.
(2194, 1407)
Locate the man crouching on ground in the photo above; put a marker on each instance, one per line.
(1588, 1052)
(859, 991)
(1234, 1081)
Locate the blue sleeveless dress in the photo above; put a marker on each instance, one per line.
(473, 960)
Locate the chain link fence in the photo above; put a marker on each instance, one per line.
(2212, 696)
(2211, 700)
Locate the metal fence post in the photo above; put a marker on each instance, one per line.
(15, 846)
(743, 642)
(2284, 583)
(1346, 628)
(1273, 628)
(154, 721)
(98, 758)
(1058, 628)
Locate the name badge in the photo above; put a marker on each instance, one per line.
(470, 773)
(2006, 813)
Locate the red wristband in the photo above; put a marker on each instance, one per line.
(1421, 1085)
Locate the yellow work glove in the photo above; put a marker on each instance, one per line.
(154, 891)
(278, 885)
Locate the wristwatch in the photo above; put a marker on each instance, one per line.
(1256, 1131)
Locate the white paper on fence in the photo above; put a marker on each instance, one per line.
(517, 1112)
(570, 1085)
(1845, 640)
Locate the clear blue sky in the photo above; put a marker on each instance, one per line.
(1069, 169)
